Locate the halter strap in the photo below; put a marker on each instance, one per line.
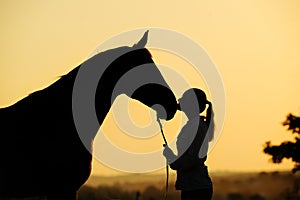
(167, 165)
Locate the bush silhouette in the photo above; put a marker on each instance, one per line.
(287, 149)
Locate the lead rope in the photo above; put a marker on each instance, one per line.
(167, 165)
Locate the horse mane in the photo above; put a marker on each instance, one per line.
(64, 84)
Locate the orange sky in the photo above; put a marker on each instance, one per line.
(254, 45)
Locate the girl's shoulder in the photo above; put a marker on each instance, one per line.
(195, 123)
(191, 128)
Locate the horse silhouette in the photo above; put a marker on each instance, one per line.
(41, 151)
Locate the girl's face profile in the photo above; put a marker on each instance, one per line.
(189, 104)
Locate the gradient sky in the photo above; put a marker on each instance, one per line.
(254, 44)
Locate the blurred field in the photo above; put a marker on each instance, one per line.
(227, 186)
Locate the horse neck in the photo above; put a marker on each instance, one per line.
(104, 71)
(112, 74)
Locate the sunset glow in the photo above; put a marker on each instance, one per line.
(254, 45)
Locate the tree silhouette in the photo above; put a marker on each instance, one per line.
(287, 149)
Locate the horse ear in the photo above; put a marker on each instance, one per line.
(142, 43)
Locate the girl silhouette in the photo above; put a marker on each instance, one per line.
(192, 146)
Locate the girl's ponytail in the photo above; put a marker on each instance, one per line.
(210, 121)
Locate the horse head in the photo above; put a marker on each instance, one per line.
(131, 71)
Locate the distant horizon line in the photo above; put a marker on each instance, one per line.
(216, 172)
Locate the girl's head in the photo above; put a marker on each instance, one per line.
(193, 102)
